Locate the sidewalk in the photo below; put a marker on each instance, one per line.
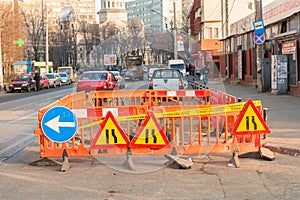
(283, 116)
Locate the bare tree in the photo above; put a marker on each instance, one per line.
(63, 40)
(34, 24)
(91, 37)
(135, 35)
(112, 41)
(185, 28)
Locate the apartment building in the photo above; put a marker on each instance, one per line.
(209, 25)
(156, 13)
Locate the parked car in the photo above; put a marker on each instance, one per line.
(65, 78)
(134, 74)
(166, 79)
(54, 79)
(120, 78)
(23, 82)
(44, 82)
(97, 80)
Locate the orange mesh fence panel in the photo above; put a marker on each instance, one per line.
(218, 97)
(186, 118)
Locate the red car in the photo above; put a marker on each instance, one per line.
(97, 80)
(23, 82)
(44, 82)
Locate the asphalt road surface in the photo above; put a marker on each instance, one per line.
(96, 178)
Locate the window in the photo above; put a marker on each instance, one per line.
(283, 27)
(103, 76)
(216, 32)
(208, 32)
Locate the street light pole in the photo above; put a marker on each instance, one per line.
(47, 45)
(175, 32)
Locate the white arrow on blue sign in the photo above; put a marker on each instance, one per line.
(59, 124)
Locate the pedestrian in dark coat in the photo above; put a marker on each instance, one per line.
(37, 79)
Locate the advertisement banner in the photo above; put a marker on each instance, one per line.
(110, 59)
(240, 64)
(180, 42)
(289, 47)
(274, 72)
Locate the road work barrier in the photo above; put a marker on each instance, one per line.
(152, 122)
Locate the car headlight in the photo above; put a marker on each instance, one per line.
(24, 84)
(11, 85)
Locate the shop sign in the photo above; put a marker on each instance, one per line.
(289, 47)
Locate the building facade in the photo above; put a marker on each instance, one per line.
(156, 13)
(209, 24)
(280, 56)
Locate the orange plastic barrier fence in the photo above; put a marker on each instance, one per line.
(151, 122)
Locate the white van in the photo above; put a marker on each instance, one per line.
(179, 65)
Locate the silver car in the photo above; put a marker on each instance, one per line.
(166, 79)
(54, 79)
(65, 78)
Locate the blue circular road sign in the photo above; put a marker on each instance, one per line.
(259, 39)
(59, 124)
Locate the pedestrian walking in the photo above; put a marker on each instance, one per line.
(205, 74)
(192, 70)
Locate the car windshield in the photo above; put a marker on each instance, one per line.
(115, 73)
(94, 76)
(166, 74)
(177, 66)
(24, 78)
(63, 75)
(50, 76)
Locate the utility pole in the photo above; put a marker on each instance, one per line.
(225, 16)
(224, 24)
(175, 32)
(259, 50)
(47, 47)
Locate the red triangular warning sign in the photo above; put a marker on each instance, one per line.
(250, 121)
(150, 134)
(110, 134)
